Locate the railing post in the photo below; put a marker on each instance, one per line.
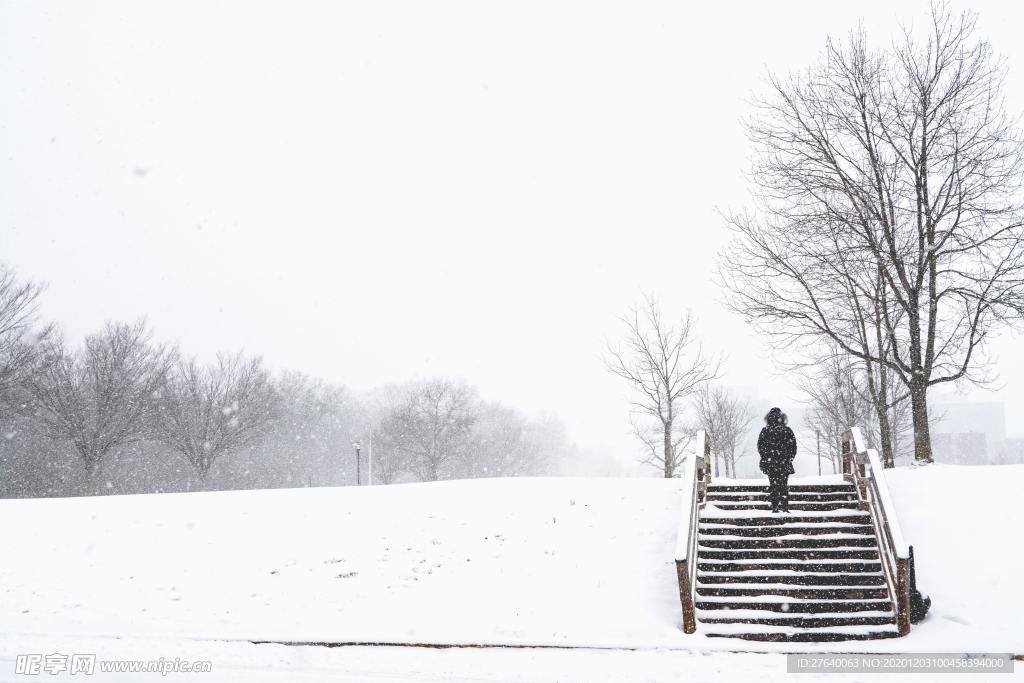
(903, 595)
(845, 449)
(701, 482)
(862, 478)
(704, 471)
(686, 596)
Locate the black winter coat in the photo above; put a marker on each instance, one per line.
(777, 446)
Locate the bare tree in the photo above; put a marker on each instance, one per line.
(311, 438)
(664, 365)
(387, 413)
(101, 397)
(390, 458)
(506, 443)
(652, 441)
(837, 399)
(21, 337)
(432, 426)
(441, 429)
(899, 166)
(726, 419)
(206, 412)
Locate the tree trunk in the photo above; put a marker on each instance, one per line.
(885, 435)
(89, 486)
(881, 403)
(669, 456)
(919, 410)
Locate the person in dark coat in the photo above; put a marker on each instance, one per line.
(777, 447)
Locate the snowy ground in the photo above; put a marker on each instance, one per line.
(582, 563)
(245, 663)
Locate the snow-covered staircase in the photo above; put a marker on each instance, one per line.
(812, 575)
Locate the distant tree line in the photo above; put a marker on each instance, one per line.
(124, 413)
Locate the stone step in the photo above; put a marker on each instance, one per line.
(802, 622)
(808, 567)
(783, 634)
(795, 554)
(793, 497)
(818, 541)
(782, 518)
(803, 529)
(791, 606)
(782, 578)
(795, 506)
(799, 488)
(816, 593)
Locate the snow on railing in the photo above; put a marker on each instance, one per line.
(689, 488)
(863, 468)
(899, 545)
(695, 481)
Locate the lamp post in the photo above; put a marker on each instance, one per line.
(359, 479)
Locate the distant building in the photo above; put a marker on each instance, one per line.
(965, 417)
(963, 448)
(1008, 452)
(971, 433)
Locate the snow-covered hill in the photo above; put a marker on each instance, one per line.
(564, 562)
(523, 561)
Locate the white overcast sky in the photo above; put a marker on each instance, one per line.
(376, 191)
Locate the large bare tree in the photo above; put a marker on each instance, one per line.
(888, 188)
(208, 411)
(664, 365)
(102, 396)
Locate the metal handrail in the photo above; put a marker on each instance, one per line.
(863, 468)
(695, 480)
